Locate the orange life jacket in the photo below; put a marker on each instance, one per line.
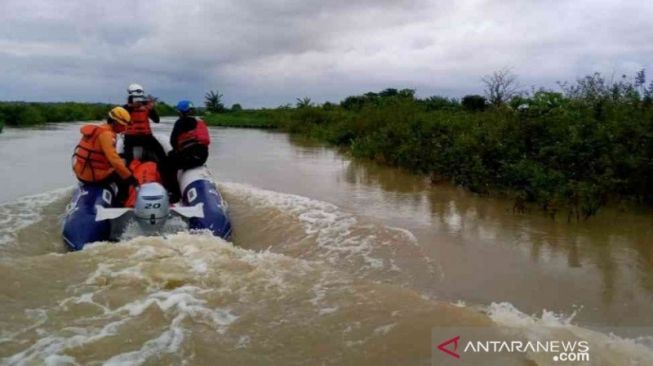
(198, 135)
(140, 122)
(89, 162)
(146, 172)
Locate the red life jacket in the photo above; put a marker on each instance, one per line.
(140, 122)
(198, 135)
(145, 172)
(88, 155)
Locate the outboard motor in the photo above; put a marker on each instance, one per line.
(152, 207)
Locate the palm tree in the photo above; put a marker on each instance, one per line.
(213, 102)
(304, 102)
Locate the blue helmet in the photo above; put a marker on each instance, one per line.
(185, 106)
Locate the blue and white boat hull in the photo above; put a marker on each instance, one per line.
(92, 214)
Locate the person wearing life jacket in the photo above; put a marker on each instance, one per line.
(189, 138)
(95, 159)
(190, 143)
(139, 133)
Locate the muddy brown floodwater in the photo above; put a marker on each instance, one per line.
(333, 261)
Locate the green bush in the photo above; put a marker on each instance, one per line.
(28, 114)
(474, 102)
(164, 109)
(31, 115)
(436, 103)
(575, 149)
(244, 118)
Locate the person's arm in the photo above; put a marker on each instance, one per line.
(106, 143)
(154, 116)
(175, 133)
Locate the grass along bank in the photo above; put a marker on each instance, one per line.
(245, 118)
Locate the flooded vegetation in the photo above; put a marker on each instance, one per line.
(568, 152)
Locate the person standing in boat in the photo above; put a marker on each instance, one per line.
(95, 159)
(139, 133)
(190, 143)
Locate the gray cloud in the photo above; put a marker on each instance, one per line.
(265, 53)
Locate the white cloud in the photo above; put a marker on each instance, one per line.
(267, 53)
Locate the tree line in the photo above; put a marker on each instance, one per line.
(21, 114)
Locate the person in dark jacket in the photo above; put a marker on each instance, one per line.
(190, 144)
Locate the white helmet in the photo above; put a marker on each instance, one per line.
(135, 90)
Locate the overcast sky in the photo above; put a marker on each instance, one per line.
(267, 53)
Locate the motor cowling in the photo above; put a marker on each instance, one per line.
(152, 207)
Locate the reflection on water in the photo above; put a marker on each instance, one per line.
(603, 265)
(360, 172)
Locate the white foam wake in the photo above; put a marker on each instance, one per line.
(606, 348)
(333, 236)
(25, 211)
